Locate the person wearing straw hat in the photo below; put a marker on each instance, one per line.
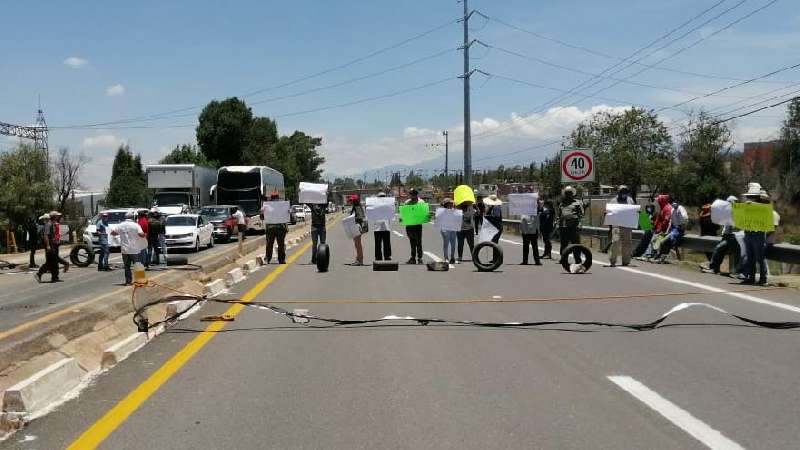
(755, 241)
(494, 215)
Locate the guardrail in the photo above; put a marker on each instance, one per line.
(785, 253)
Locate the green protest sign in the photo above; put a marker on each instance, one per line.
(753, 216)
(416, 214)
(644, 222)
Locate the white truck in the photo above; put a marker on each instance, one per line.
(180, 188)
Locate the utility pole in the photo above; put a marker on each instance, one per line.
(465, 76)
(446, 152)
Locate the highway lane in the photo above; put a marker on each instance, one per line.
(23, 299)
(264, 382)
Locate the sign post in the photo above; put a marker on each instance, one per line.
(577, 165)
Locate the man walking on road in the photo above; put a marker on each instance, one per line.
(414, 232)
(132, 240)
(34, 236)
(621, 236)
(145, 226)
(383, 241)
(275, 232)
(318, 231)
(569, 215)
(102, 231)
(51, 263)
(55, 218)
(241, 224)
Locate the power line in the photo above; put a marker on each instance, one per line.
(288, 83)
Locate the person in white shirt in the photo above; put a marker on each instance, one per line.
(241, 223)
(132, 240)
(383, 241)
(621, 236)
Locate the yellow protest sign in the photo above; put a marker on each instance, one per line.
(753, 216)
(463, 194)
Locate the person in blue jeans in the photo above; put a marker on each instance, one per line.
(102, 231)
(449, 238)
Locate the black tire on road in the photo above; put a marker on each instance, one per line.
(586, 257)
(497, 257)
(81, 256)
(323, 257)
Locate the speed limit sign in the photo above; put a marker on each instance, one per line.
(577, 165)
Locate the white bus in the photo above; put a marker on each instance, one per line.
(246, 187)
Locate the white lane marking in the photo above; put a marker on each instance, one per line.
(748, 297)
(679, 417)
(397, 233)
(432, 256)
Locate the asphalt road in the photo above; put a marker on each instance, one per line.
(704, 380)
(23, 299)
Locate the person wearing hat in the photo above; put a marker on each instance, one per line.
(494, 215)
(449, 238)
(132, 239)
(50, 264)
(357, 210)
(568, 218)
(55, 219)
(102, 231)
(621, 236)
(275, 232)
(382, 234)
(755, 242)
(414, 232)
(726, 246)
(529, 228)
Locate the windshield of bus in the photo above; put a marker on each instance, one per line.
(181, 221)
(171, 198)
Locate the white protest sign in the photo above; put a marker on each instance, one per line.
(449, 219)
(275, 212)
(721, 212)
(351, 228)
(313, 193)
(380, 209)
(487, 232)
(622, 215)
(523, 204)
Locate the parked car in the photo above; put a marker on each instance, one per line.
(189, 231)
(221, 218)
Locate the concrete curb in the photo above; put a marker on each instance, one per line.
(249, 266)
(234, 276)
(122, 349)
(214, 288)
(173, 308)
(43, 388)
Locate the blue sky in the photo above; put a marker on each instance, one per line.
(97, 62)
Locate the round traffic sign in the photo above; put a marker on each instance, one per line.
(577, 165)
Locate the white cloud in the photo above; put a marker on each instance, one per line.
(75, 62)
(103, 141)
(754, 134)
(344, 157)
(114, 90)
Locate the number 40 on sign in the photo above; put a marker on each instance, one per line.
(577, 165)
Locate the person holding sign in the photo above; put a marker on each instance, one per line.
(275, 214)
(494, 215)
(414, 231)
(755, 217)
(621, 236)
(529, 227)
(360, 215)
(382, 233)
(727, 244)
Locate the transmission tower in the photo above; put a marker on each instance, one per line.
(37, 133)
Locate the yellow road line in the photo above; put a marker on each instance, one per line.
(116, 416)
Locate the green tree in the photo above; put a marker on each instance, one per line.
(551, 175)
(27, 191)
(704, 149)
(128, 186)
(187, 154)
(223, 130)
(632, 147)
(787, 158)
(261, 145)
